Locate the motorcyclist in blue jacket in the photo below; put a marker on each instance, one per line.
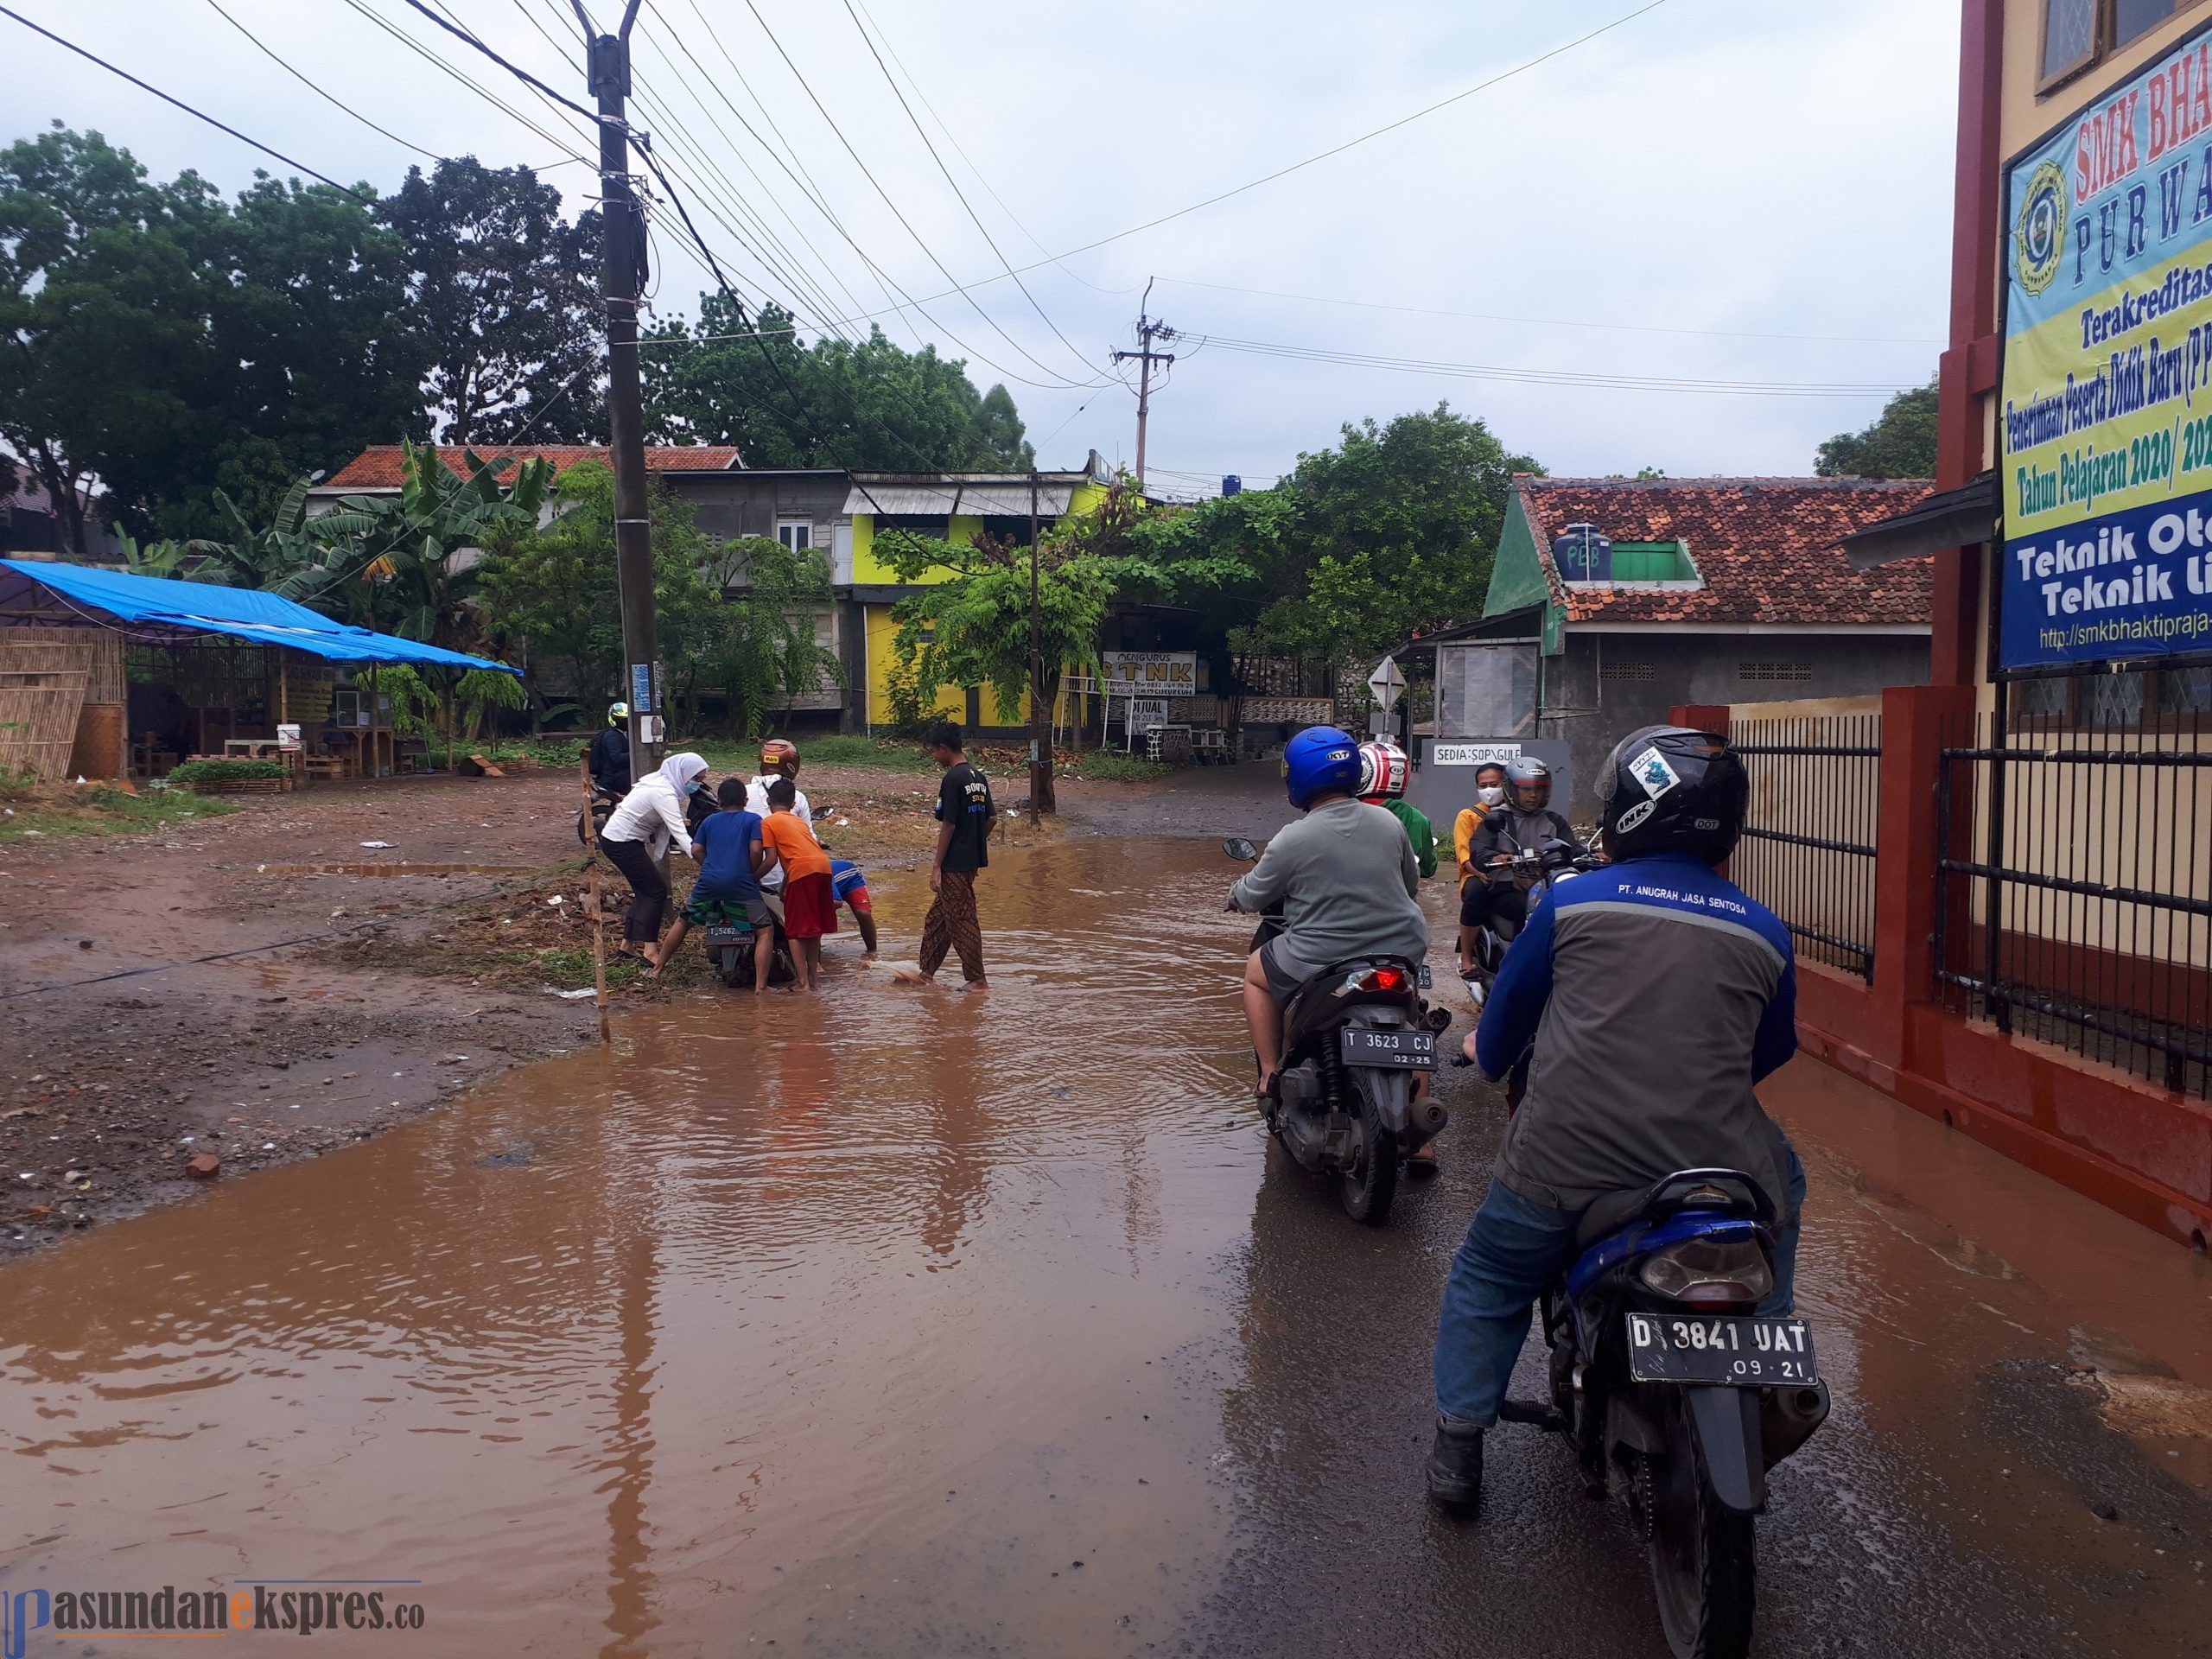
(1654, 993)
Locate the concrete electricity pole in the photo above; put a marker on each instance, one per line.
(1041, 735)
(622, 274)
(1147, 331)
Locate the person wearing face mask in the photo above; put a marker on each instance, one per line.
(1489, 792)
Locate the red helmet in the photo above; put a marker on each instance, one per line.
(1383, 769)
(779, 755)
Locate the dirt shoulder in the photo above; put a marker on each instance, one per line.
(262, 986)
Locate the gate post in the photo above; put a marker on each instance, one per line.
(1916, 722)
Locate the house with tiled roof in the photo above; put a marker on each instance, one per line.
(1613, 600)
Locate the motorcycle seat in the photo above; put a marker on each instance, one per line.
(1685, 1190)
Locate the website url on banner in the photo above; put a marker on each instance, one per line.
(2142, 630)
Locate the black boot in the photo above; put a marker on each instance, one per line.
(1455, 1463)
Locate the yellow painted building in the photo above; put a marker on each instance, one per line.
(944, 506)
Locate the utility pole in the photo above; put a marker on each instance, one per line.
(1040, 756)
(1147, 331)
(622, 274)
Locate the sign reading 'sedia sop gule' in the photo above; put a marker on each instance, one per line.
(2105, 433)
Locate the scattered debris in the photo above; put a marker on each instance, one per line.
(205, 1167)
(378, 846)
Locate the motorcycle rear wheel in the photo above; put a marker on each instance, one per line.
(1370, 1184)
(1701, 1552)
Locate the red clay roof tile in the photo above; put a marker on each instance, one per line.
(378, 468)
(1765, 546)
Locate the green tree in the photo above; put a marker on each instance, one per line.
(1900, 442)
(867, 405)
(971, 625)
(102, 309)
(163, 345)
(734, 618)
(1391, 532)
(509, 292)
(410, 563)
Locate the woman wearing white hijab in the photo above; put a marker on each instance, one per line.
(641, 829)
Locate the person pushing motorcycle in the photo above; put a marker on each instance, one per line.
(1655, 993)
(1345, 876)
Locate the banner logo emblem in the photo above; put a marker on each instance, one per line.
(2039, 239)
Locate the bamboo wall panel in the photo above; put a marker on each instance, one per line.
(38, 719)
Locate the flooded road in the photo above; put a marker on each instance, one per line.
(900, 1322)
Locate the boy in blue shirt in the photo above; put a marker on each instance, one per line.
(728, 892)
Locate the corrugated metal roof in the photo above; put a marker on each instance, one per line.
(918, 500)
(1011, 501)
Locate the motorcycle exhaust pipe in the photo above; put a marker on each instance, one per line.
(1425, 1120)
(1788, 1418)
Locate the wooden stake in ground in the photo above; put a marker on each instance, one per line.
(598, 911)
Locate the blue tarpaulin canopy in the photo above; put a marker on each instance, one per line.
(153, 610)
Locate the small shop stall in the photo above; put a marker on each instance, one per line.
(104, 674)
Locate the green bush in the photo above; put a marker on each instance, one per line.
(1117, 767)
(224, 772)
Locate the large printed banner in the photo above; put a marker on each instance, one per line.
(2106, 428)
(1151, 673)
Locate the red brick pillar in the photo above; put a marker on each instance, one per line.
(1700, 716)
(1917, 721)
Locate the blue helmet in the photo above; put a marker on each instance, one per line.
(1318, 759)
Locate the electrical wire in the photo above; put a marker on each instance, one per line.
(318, 89)
(922, 132)
(982, 178)
(512, 68)
(1557, 377)
(565, 145)
(1558, 323)
(1060, 381)
(200, 115)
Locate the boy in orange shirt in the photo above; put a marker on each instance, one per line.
(809, 906)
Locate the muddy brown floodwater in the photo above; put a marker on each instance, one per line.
(898, 1322)
(874, 1316)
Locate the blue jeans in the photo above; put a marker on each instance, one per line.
(1513, 1253)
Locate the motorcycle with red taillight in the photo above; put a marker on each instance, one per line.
(1356, 1036)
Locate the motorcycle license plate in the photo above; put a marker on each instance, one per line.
(1427, 979)
(1363, 1045)
(1750, 1353)
(724, 935)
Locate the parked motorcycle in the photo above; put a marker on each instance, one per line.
(1674, 1394)
(1343, 1102)
(1535, 871)
(730, 949)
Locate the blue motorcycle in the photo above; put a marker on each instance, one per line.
(1675, 1393)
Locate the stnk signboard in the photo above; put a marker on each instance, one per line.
(2105, 430)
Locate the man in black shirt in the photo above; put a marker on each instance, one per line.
(964, 815)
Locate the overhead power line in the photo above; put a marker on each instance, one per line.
(1557, 323)
(317, 87)
(922, 132)
(565, 143)
(1060, 381)
(197, 114)
(1511, 373)
(514, 69)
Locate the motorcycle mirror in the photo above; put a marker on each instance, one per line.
(1237, 847)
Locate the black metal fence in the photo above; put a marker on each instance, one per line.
(1808, 846)
(2074, 899)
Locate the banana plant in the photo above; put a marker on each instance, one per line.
(410, 561)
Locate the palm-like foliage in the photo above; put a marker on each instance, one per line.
(409, 564)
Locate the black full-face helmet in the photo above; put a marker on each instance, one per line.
(1528, 784)
(1667, 789)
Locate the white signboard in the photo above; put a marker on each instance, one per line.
(1386, 682)
(1474, 754)
(1152, 673)
(1145, 712)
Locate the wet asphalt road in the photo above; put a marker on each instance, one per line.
(900, 1323)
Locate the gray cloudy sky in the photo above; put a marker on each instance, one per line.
(1744, 191)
